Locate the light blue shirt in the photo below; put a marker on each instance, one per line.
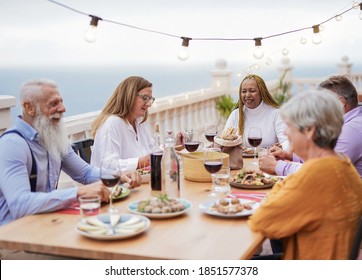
(16, 199)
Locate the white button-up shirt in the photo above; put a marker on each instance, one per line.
(116, 137)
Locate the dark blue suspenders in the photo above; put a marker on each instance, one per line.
(33, 173)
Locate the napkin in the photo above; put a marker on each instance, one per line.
(255, 196)
(72, 209)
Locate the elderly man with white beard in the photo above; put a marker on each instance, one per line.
(39, 138)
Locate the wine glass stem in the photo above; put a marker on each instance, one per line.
(255, 154)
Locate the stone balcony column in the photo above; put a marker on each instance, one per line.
(221, 77)
(6, 103)
(344, 67)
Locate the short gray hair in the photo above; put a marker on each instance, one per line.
(31, 90)
(341, 85)
(317, 108)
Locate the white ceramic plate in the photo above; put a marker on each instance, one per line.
(128, 223)
(206, 208)
(132, 207)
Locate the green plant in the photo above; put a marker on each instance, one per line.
(282, 93)
(225, 104)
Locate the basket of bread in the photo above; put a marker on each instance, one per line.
(228, 138)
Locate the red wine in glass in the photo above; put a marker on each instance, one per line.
(192, 146)
(110, 171)
(210, 132)
(213, 166)
(255, 138)
(254, 141)
(210, 136)
(110, 180)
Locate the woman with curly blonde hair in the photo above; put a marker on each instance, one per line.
(121, 130)
(258, 109)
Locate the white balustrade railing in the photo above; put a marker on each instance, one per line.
(187, 110)
(179, 112)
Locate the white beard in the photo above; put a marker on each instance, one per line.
(53, 137)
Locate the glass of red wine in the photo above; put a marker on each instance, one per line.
(212, 161)
(191, 141)
(211, 131)
(110, 171)
(255, 138)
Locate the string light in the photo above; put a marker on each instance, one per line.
(258, 53)
(303, 40)
(90, 35)
(338, 17)
(184, 51)
(317, 38)
(268, 61)
(258, 50)
(285, 52)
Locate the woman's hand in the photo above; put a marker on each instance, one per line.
(133, 178)
(144, 161)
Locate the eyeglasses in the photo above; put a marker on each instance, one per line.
(146, 98)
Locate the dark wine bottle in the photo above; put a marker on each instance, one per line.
(156, 157)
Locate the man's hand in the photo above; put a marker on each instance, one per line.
(280, 154)
(97, 188)
(267, 164)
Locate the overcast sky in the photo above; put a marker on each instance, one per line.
(38, 32)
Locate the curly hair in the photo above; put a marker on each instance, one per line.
(265, 96)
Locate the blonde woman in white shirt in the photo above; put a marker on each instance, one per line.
(121, 129)
(259, 109)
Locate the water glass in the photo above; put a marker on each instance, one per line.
(220, 182)
(263, 151)
(89, 206)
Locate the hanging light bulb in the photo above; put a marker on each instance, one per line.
(303, 40)
(184, 51)
(338, 17)
(268, 61)
(90, 35)
(258, 51)
(285, 51)
(256, 66)
(317, 38)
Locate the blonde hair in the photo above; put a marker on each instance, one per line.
(121, 101)
(265, 96)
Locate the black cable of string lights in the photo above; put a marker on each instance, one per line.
(205, 38)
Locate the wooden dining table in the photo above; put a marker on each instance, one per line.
(193, 235)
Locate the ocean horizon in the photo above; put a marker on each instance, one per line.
(86, 89)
